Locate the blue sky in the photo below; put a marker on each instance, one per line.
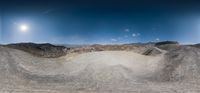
(100, 21)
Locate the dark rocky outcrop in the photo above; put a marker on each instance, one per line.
(152, 52)
(196, 45)
(168, 45)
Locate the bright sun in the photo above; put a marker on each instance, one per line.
(23, 28)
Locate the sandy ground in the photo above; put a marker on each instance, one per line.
(95, 72)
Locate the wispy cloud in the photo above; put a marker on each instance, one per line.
(157, 39)
(113, 39)
(127, 30)
(135, 34)
(126, 36)
(50, 10)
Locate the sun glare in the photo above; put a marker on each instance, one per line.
(24, 28)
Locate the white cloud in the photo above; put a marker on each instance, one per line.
(114, 40)
(127, 30)
(135, 34)
(157, 39)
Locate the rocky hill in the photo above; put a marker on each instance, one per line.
(167, 45)
(41, 50)
(196, 45)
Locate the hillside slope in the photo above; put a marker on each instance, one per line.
(101, 72)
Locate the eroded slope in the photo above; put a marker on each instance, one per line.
(103, 72)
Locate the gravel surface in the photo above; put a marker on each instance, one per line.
(174, 71)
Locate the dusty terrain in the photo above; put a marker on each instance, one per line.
(166, 68)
